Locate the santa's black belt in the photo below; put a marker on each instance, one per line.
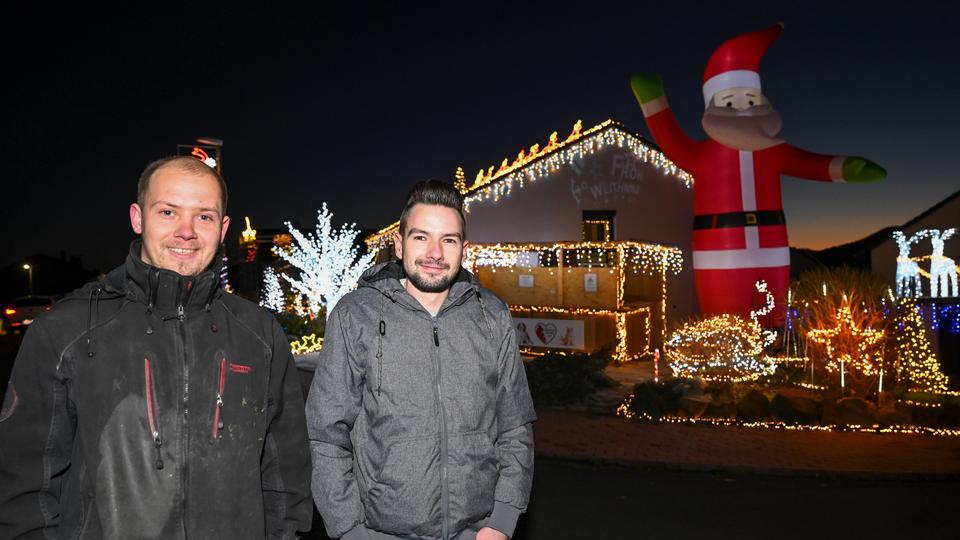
(739, 219)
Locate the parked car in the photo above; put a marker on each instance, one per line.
(21, 312)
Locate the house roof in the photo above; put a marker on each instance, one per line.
(529, 166)
(931, 210)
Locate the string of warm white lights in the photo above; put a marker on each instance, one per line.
(917, 363)
(539, 163)
(624, 411)
(848, 345)
(620, 353)
(724, 347)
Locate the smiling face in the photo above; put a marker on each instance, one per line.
(742, 118)
(432, 247)
(181, 221)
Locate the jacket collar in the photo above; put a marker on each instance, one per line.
(165, 291)
(386, 278)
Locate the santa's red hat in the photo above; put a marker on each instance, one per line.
(736, 63)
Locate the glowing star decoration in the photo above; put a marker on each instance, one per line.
(916, 363)
(943, 270)
(536, 164)
(847, 345)
(306, 344)
(271, 297)
(200, 154)
(328, 265)
(724, 347)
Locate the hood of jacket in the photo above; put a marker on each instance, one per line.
(385, 278)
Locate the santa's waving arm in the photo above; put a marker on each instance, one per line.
(802, 164)
(666, 131)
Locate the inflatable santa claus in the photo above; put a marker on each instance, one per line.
(740, 234)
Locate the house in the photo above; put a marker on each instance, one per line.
(588, 239)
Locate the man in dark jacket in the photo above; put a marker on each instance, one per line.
(419, 417)
(151, 404)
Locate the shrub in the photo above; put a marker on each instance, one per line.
(567, 379)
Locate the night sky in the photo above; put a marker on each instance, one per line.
(350, 108)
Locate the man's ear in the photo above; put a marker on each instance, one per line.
(224, 227)
(397, 245)
(136, 218)
(463, 256)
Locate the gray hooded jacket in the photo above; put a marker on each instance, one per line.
(419, 425)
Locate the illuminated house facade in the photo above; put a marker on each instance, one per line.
(588, 239)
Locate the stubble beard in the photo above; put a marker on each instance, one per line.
(426, 284)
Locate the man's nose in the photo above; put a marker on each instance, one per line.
(434, 251)
(186, 229)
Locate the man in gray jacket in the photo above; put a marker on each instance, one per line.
(419, 417)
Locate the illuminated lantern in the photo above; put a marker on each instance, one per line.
(740, 233)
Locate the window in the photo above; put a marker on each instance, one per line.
(598, 225)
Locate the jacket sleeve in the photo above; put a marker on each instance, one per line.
(285, 462)
(333, 404)
(515, 416)
(36, 439)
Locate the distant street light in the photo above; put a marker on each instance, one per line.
(29, 270)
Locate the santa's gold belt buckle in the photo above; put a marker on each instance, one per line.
(751, 218)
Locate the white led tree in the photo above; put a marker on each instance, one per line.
(327, 262)
(271, 297)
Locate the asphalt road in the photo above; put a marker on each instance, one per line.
(582, 501)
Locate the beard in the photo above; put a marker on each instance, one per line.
(429, 284)
(750, 129)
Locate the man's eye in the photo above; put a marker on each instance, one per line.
(167, 212)
(204, 217)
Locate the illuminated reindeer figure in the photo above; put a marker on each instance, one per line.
(908, 271)
(943, 270)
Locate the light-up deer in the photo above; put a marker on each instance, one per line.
(908, 271)
(943, 269)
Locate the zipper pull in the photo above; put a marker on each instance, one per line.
(220, 416)
(180, 312)
(157, 443)
(436, 337)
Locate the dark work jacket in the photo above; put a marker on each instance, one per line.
(153, 405)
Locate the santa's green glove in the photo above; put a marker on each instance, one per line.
(646, 87)
(858, 169)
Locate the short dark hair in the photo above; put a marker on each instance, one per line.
(437, 193)
(188, 164)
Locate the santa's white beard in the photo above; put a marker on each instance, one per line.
(750, 129)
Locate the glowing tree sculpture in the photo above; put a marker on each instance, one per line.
(908, 271)
(723, 347)
(271, 297)
(328, 263)
(917, 365)
(943, 270)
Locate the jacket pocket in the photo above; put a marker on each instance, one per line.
(405, 496)
(153, 416)
(474, 478)
(218, 405)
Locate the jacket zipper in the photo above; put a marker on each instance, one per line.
(218, 415)
(152, 421)
(185, 428)
(444, 495)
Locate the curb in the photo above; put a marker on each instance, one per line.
(752, 471)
